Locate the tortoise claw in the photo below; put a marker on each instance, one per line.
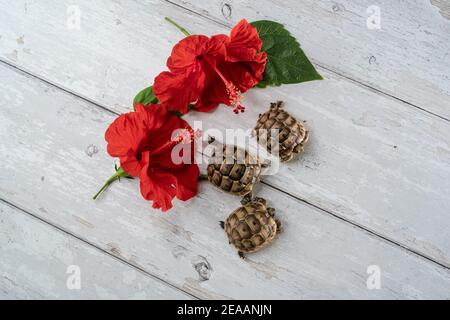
(222, 224)
(241, 255)
(271, 211)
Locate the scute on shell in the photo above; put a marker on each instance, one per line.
(234, 170)
(292, 134)
(251, 227)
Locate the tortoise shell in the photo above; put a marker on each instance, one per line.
(292, 135)
(252, 226)
(234, 170)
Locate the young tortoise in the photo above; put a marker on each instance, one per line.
(252, 226)
(292, 133)
(233, 170)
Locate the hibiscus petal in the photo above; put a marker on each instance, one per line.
(153, 116)
(185, 83)
(129, 134)
(213, 93)
(187, 182)
(185, 53)
(205, 106)
(131, 165)
(124, 137)
(244, 42)
(156, 187)
(216, 46)
(176, 91)
(175, 158)
(160, 188)
(245, 74)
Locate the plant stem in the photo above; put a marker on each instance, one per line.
(183, 30)
(119, 174)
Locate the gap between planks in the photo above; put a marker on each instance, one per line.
(322, 210)
(363, 228)
(319, 64)
(87, 242)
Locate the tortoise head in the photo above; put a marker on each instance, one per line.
(276, 105)
(260, 201)
(248, 199)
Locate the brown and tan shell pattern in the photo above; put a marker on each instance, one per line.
(252, 226)
(234, 170)
(292, 134)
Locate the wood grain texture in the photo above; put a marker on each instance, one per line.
(54, 158)
(407, 57)
(35, 261)
(372, 160)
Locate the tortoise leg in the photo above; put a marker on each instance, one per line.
(266, 164)
(289, 157)
(241, 255)
(306, 138)
(222, 224)
(301, 146)
(276, 105)
(211, 139)
(271, 212)
(279, 226)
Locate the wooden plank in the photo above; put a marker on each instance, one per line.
(109, 59)
(407, 57)
(52, 144)
(41, 262)
(372, 160)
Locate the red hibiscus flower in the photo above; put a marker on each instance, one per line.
(207, 71)
(144, 141)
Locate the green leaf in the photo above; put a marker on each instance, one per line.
(286, 61)
(145, 97)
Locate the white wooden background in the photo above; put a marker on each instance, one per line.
(373, 187)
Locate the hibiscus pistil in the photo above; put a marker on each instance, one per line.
(235, 96)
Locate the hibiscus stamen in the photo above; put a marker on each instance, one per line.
(187, 135)
(235, 96)
(233, 92)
